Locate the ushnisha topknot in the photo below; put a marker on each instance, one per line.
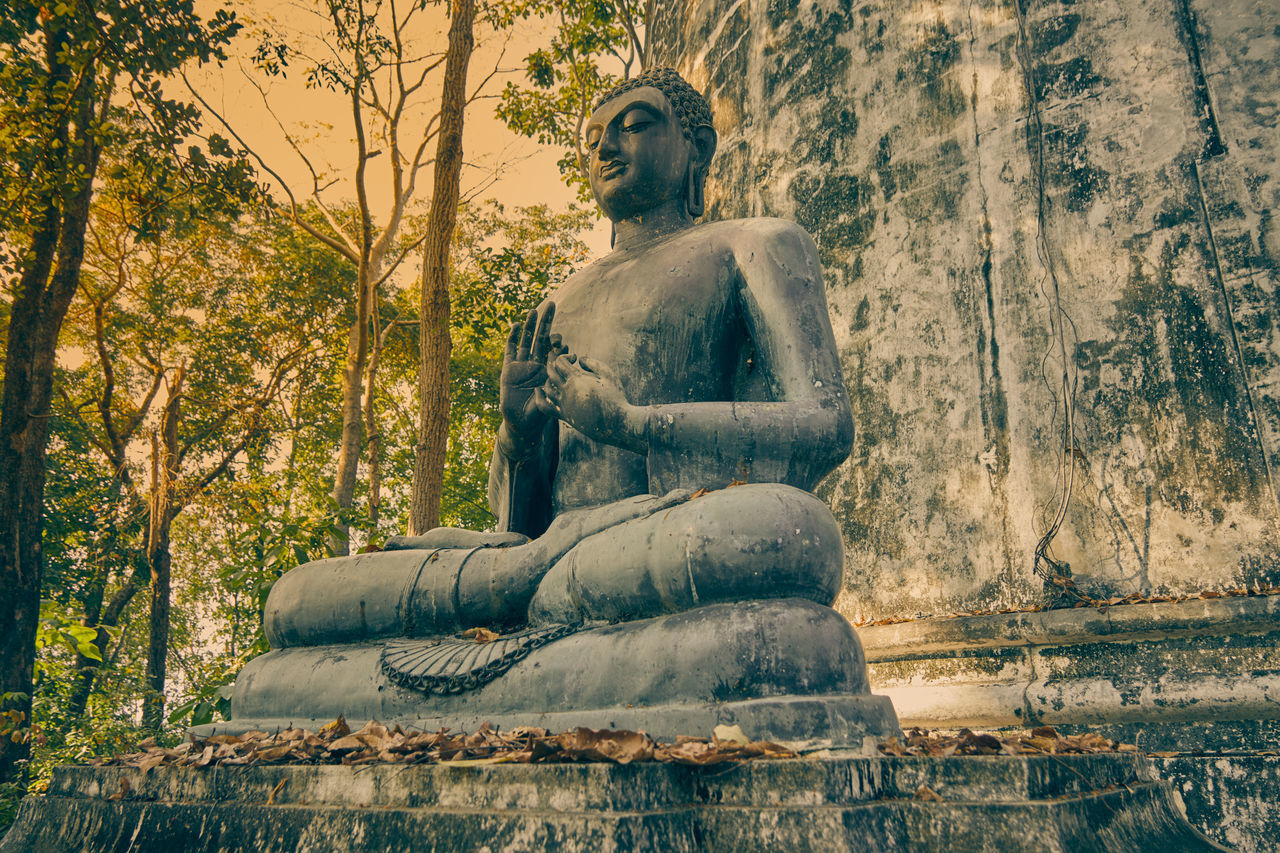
(688, 103)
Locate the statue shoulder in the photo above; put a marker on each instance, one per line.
(757, 230)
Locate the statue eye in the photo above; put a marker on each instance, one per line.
(636, 120)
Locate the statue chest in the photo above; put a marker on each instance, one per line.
(669, 325)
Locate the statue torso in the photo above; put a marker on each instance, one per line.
(666, 318)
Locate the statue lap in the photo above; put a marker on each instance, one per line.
(714, 604)
(746, 542)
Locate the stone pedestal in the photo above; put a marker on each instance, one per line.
(786, 670)
(1199, 677)
(1072, 804)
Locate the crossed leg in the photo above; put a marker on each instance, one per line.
(748, 542)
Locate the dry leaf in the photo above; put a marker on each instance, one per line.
(338, 728)
(346, 744)
(274, 753)
(730, 734)
(481, 635)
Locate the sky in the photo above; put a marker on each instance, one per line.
(498, 163)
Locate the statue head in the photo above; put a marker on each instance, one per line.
(650, 141)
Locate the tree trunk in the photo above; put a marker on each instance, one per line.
(344, 479)
(372, 432)
(164, 468)
(434, 341)
(35, 320)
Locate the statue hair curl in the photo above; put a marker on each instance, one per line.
(686, 101)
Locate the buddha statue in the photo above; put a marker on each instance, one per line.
(660, 562)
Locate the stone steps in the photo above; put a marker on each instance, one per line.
(1062, 803)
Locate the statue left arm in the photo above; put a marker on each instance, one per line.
(805, 429)
(797, 436)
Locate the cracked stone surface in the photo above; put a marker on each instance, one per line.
(1005, 195)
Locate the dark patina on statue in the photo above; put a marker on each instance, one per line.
(660, 563)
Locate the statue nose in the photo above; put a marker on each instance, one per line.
(608, 142)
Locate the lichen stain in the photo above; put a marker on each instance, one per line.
(928, 65)
(871, 33)
(1067, 79)
(941, 199)
(835, 207)
(726, 64)
(779, 12)
(1181, 389)
(871, 481)
(1068, 166)
(902, 175)
(861, 315)
(796, 75)
(1054, 32)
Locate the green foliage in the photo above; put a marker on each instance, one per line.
(239, 304)
(56, 628)
(568, 75)
(182, 272)
(507, 263)
(74, 74)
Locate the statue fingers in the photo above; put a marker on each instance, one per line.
(526, 335)
(560, 368)
(513, 341)
(547, 400)
(542, 333)
(599, 368)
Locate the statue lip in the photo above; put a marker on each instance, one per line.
(612, 169)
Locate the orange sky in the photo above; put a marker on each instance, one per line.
(499, 164)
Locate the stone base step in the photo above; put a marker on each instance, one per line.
(1060, 803)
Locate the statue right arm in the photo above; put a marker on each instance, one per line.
(520, 488)
(524, 455)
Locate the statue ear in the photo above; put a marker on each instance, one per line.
(704, 147)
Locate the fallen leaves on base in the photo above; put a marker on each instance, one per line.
(375, 743)
(1044, 740)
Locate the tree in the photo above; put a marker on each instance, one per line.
(366, 54)
(507, 262)
(61, 67)
(434, 341)
(568, 75)
(192, 316)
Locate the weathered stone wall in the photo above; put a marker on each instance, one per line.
(1014, 200)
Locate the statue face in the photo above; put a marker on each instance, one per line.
(639, 155)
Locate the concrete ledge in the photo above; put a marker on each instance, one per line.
(1119, 623)
(843, 720)
(1177, 666)
(1090, 701)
